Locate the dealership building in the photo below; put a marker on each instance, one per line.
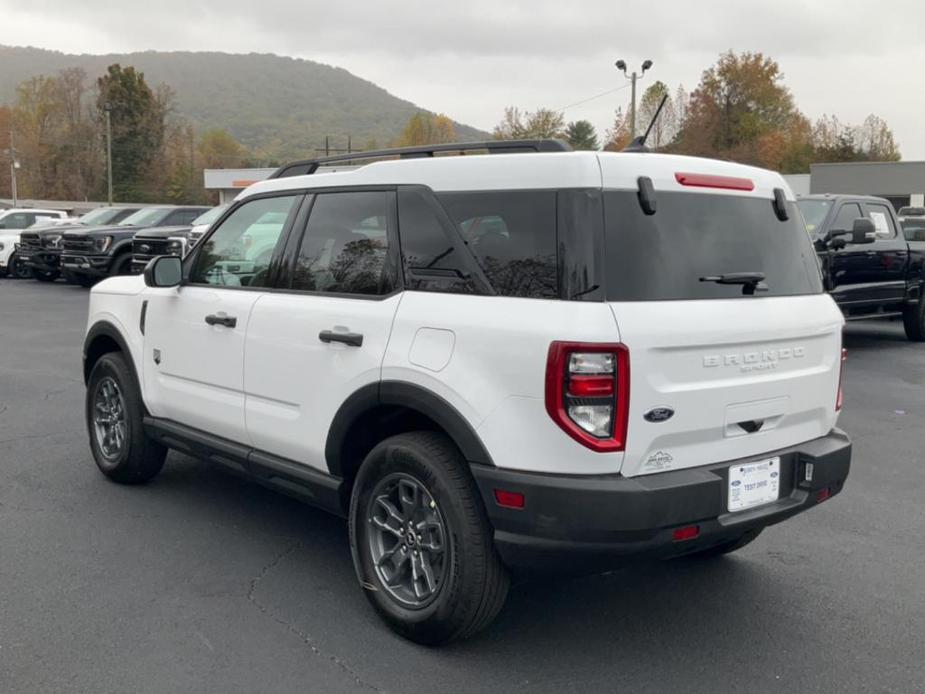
(901, 182)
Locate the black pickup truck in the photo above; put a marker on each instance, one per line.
(870, 267)
(92, 254)
(40, 247)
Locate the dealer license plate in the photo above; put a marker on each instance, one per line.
(754, 484)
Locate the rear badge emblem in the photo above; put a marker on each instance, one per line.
(659, 414)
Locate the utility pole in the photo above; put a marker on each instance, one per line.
(13, 166)
(108, 108)
(621, 65)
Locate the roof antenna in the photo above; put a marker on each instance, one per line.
(639, 143)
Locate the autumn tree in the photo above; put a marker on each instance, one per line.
(666, 127)
(6, 125)
(739, 100)
(57, 137)
(138, 129)
(582, 135)
(618, 135)
(427, 129)
(525, 125)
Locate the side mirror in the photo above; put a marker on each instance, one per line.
(164, 271)
(863, 231)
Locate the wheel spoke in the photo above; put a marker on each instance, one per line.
(384, 525)
(409, 495)
(422, 576)
(389, 507)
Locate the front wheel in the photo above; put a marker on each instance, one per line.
(914, 321)
(19, 269)
(114, 413)
(421, 541)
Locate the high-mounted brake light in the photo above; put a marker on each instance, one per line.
(840, 398)
(587, 392)
(710, 181)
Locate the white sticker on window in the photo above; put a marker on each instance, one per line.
(881, 224)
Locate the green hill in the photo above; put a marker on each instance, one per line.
(283, 107)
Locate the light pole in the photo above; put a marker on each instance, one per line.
(13, 166)
(621, 65)
(108, 108)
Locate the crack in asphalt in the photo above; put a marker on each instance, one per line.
(306, 639)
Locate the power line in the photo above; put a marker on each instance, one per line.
(592, 98)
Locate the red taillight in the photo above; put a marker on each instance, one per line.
(688, 532)
(508, 499)
(840, 398)
(587, 392)
(823, 494)
(709, 181)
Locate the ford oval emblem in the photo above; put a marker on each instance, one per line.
(659, 414)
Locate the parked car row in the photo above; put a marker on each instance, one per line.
(100, 244)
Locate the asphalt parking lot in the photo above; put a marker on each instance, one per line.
(200, 582)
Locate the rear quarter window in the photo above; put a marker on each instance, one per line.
(663, 257)
(512, 235)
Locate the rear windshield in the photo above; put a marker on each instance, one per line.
(663, 257)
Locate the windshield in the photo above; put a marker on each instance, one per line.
(911, 212)
(814, 213)
(694, 239)
(100, 216)
(144, 217)
(210, 216)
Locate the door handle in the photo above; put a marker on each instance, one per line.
(221, 319)
(352, 339)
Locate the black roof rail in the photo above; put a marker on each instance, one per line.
(310, 166)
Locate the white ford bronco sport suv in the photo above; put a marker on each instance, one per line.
(514, 359)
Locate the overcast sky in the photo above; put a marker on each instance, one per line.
(471, 59)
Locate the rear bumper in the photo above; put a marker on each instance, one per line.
(570, 522)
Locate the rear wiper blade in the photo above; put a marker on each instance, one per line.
(750, 281)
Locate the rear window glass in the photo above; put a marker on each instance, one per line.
(663, 257)
(512, 235)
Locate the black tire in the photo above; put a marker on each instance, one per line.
(85, 281)
(138, 458)
(471, 581)
(19, 270)
(45, 275)
(914, 321)
(122, 265)
(726, 547)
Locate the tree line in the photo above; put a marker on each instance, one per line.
(57, 127)
(740, 111)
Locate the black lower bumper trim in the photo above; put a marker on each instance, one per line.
(602, 518)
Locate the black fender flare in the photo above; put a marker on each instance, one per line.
(412, 397)
(107, 329)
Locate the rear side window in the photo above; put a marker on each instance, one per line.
(663, 257)
(345, 248)
(512, 235)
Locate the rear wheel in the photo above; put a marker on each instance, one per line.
(421, 542)
(725, 547)
(914, 321)
(45, 275)
(85, 280)
(114, 413)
